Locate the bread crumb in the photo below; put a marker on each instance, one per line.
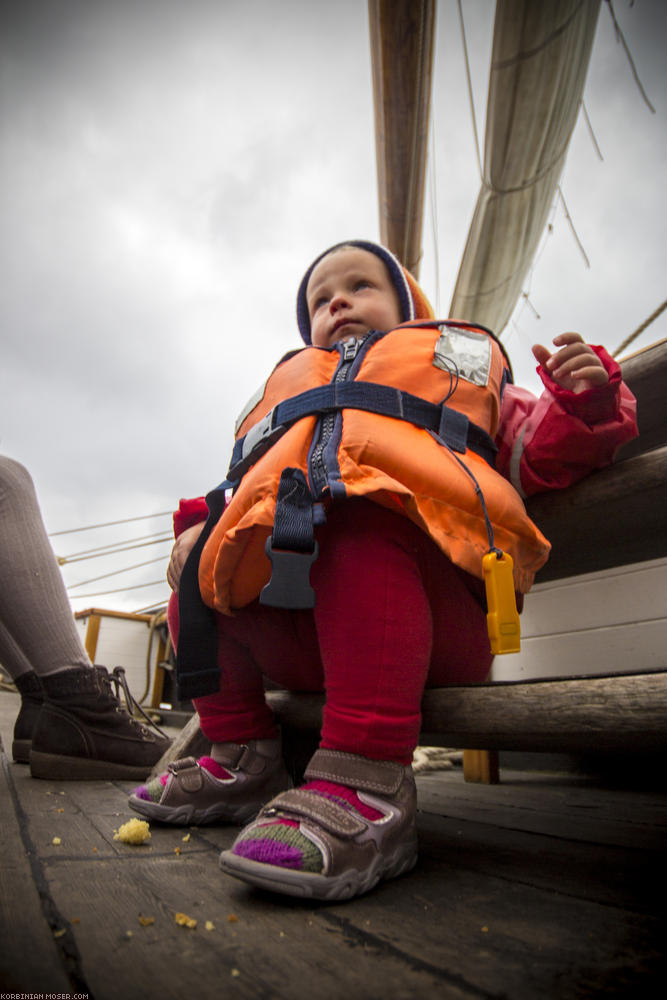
(146, 921)
(186, 838)
(177, 850)
(209, 925)
(236, 972)
(56, 841)
(183, 920)
(135, 831)
(59, 933)
(232, 918)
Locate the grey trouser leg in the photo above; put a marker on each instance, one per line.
(37, 629)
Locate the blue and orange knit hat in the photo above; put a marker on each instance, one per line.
(412, 301)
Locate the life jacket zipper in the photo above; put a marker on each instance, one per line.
(318, 470)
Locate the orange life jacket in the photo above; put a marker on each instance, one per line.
(406, 419)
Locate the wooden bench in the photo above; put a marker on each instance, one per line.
(612, 518)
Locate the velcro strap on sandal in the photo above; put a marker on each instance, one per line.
(381, 776)
(309, 805)
(187, 773)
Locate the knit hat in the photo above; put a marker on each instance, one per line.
(412, 301)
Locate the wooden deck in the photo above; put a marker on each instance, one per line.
(545, 886)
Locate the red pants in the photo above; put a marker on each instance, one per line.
(393, 616)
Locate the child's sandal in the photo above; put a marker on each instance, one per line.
(229, 789)
(351, 825)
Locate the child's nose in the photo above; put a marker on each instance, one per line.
(337, 301)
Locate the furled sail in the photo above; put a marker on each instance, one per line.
(539, 61)
(401, 34)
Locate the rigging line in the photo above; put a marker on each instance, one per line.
(571, 225)
(63, 560)
(109, 524)
(113, 546)
(120, 590)
(158, 607)
(621, 39)
(470, 94)
(640, 329)
(434, 215)
(117, 572)
(591, 132)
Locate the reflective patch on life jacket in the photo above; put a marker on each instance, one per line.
(256, 398)
(466, 351)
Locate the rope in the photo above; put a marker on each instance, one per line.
(470, 94)
(121, 590)
(108, 524)
(110, 550)
(116, 572)
(620, 39)
(591, 132)
(571, 225)
(640, 329)
(433, 173)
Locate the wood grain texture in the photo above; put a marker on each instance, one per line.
(613, 713)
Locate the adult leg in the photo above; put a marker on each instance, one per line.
(38, 628)
(70, 724)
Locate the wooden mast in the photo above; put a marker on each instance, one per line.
(401, 36)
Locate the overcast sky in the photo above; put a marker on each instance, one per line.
(169, 170)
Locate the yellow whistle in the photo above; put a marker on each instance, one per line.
(502, 620)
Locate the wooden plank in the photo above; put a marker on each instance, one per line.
(553, 806)
(601, 713)
(481, 766)
(612, 517)
(588, 650)
(645, 373)
(499, 937)
(31, 959)
(623, 595)
(622, 877)
(606, 714)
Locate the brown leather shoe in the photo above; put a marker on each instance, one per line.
(32, 699)
(84, 732)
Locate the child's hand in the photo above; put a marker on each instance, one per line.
(180, 552)
(575, 366)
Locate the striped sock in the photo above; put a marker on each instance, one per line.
(280, 842)
(152, 790)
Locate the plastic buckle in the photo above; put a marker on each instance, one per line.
(258, 433)
(289, 586)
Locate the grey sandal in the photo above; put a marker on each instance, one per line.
(190, 794)
(356, 852)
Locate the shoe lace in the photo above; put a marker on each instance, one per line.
(119, 681)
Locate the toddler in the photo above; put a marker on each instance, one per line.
(371, 475)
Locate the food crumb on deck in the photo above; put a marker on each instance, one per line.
(135, 831)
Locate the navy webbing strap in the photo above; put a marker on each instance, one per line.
(449, 424)
(291, 548)
(197, 652)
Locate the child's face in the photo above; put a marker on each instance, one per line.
(348, 294)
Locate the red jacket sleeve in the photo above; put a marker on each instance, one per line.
(554, 441)
(189, 512)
